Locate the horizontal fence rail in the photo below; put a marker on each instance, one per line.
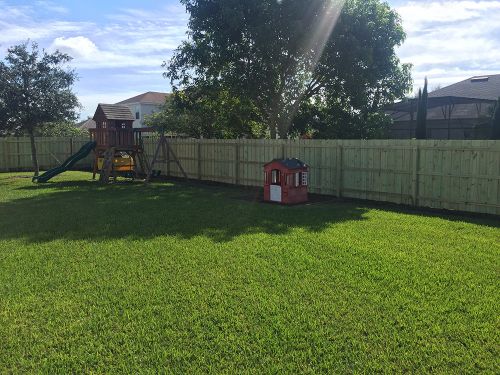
(456, 175)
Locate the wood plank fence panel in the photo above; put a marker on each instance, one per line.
(458, 175)
(15, 153)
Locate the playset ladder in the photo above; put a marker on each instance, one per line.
(107, 166)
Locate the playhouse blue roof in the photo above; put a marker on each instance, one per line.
(292, 163)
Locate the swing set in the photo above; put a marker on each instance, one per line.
(119, 148)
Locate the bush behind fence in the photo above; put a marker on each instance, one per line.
(458, 175)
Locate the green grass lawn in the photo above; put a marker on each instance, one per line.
(200, 279)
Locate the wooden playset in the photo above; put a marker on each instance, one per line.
(119, 146)
(119, 149)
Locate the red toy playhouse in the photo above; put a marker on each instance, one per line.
(286, 181)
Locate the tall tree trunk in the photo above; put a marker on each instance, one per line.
(34, 157)
(283, 129)
(272, 128)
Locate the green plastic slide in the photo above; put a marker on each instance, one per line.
(68, 164)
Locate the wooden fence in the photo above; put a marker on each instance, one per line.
(457, 175)
(15, 152)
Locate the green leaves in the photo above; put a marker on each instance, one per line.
(280, 55)
(61, 129)
(35, 88)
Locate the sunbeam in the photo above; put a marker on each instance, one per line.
(312, 46)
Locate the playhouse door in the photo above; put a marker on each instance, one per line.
(275, 193)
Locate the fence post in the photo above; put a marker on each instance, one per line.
(339, 171)
(166, 152)
(71, 146)
(5, 163)
(18, 152)
(199, 158)
(415, 177)
(237, 163)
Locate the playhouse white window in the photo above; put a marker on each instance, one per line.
(304, 178)
(275, 176)
(297, 179)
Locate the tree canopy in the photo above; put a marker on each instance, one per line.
(61, 129)
(279, 60)
(35, 91)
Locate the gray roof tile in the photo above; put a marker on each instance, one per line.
(481, 89)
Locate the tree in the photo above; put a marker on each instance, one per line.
(61, 129)
(496, 122)
(207, 114)
(421, 131)
(333, 122)
(35, 90)
(279, 55)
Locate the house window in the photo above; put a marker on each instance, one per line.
(304, 178)
(297, 179)
(289, 179)
(137, 115)
(275, 177)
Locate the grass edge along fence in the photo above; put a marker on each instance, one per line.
(457, 175)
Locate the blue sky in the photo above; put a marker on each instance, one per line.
(119, 46)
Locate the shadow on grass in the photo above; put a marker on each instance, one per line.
(86, 210)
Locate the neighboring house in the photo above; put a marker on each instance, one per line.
(144, 105)
(87, 124)
(460, 111)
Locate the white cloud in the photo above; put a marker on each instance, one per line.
(130, 38)
(78, 47)
(449, 41)
(417, 14)
(87, 55)
(116, 56)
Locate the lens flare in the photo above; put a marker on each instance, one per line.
(312, 46)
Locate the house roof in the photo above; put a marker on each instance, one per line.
(471, 98)
(292, 163)
(87, 124)
(147, 97)
(116, 112)
(410, 105)
(480, 87)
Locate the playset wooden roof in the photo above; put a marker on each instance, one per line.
(115, 112)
